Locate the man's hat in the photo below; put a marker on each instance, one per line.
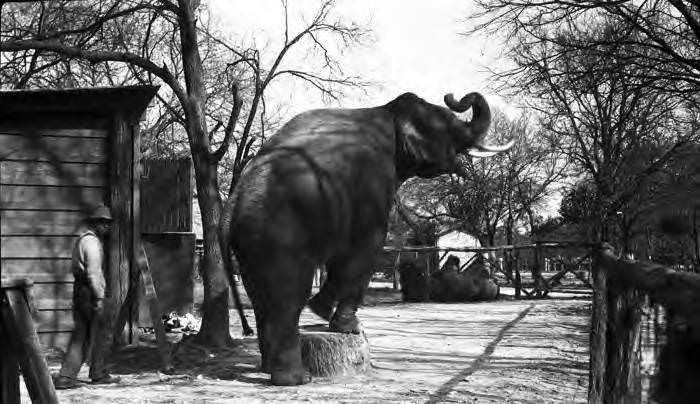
(101, 213)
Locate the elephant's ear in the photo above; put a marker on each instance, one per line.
(426, 151)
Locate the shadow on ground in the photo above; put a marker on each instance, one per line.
(194, 360)
(532, 351)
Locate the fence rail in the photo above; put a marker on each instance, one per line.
(679, 291)
(511, 264)
(489, 249)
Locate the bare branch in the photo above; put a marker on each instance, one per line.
(98, 56)
(230, 126)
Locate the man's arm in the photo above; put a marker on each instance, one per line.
(91, 251)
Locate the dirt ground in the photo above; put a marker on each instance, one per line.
(506, 351)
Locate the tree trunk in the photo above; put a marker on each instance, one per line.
(215, 316)
(538, 265)
(696, 241)
(215, 319)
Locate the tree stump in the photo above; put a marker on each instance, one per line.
(331, 354)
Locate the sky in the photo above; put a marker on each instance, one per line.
(418, 46)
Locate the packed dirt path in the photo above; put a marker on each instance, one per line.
(507, 351)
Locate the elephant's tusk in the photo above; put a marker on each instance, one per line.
(494, 148)
(480, 154)
(481, 150)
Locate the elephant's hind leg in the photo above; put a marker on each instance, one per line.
(323, 302)
(282, 340)
(348, 278)
(283, 284)
(257, 302)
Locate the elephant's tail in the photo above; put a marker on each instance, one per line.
(227, 257)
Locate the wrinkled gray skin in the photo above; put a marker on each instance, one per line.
(472, 284)
(319, 192)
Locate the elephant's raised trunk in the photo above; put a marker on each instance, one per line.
(481, 118)
(476, 128)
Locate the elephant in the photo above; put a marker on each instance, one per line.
(472, 284)
(319, 192)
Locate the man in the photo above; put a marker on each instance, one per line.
(89, 333)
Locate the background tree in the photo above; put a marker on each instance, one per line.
(617, 90)
(616, 126)
(204, 81)
(664, 35)
(494, 194)
(669, 230)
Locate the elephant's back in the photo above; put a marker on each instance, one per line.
(313, 179)
(326, 131)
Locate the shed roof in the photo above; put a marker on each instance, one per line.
(129, 100)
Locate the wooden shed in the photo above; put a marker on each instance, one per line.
(62, 152)
(167, 186)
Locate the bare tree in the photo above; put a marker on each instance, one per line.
(615, 85)
(612, 116)
(179, 51)
(669, 224)
(664, 35)
(604, 115)
(617, 98)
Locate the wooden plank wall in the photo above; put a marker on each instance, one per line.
(166, 195)
(48, 180)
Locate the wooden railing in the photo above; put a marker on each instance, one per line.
(620, 288)
(511, 268)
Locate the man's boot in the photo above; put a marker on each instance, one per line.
(65, 383)
(106, 379)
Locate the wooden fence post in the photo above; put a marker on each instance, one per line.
(9, 370)
(323, 275)
(623, 373)
(508, 264)
(517, 283)
(395, 273)
(616, 326)
(19, 329)
(599, 329)
(537, 270)
(154, 309)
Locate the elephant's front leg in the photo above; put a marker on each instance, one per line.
(348, 277)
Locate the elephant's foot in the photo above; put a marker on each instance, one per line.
(291, 377)
(346, 323)
(321, 305)
(265, 367)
